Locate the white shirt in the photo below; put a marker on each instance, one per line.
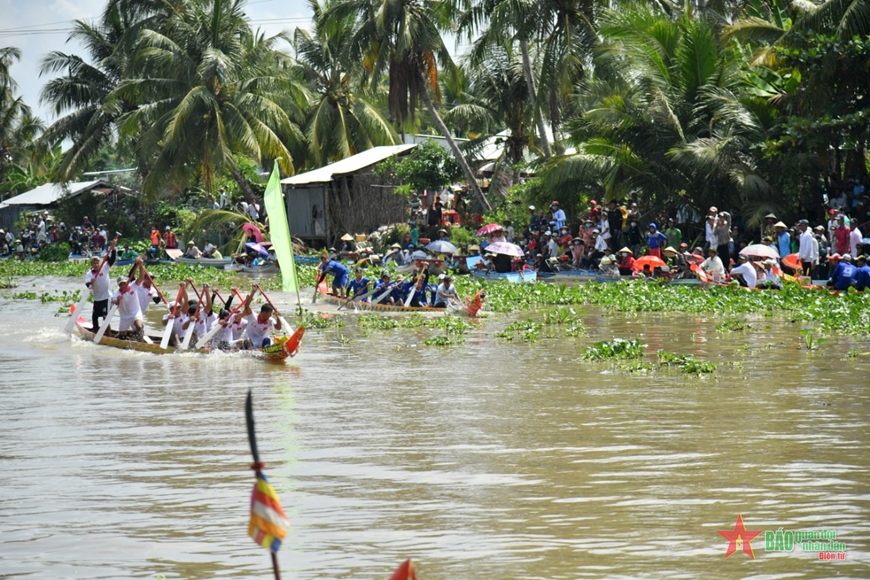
(552, 248)
(254, 211)
(128, 305)
(604, 228)
(855, 239)
(256, 331)
(600, 243)
(805, 250)
(815, 250)
(145, 295)
(750, 275)
(443, 293)
(710, 233)
(714, 266)
(100, 286)
(239, 327)
(225, 334)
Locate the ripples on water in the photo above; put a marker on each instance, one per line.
(495, 460)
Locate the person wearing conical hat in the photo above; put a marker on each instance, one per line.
(347, 244)
(626, 261)
(782, 239)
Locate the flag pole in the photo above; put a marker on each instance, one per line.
(275, 565)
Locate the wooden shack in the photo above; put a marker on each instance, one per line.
(345, 196)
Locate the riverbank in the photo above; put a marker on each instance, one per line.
(847, 312)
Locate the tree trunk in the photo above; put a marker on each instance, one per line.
(533, 98)
(243, 183)
(460, 158)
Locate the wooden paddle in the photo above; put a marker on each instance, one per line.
(188, 335)
(170, 322)
(356, 298)
(217, 326)
(80, 306)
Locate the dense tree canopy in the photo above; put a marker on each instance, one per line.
(740, 104)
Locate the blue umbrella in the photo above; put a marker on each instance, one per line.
(442, 247)
(258, 248)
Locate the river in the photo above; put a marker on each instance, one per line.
(495, 459)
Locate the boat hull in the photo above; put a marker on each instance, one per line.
(277, 352)
(467, 310)
(513, 277)
(206, 262)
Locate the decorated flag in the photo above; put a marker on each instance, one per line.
(268, 522)
(279, 231)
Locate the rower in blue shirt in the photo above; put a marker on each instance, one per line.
(862, 278)
(383, 290)
(359, 285)
(340, 275)
(844, 272)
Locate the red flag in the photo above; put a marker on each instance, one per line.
(405, 571)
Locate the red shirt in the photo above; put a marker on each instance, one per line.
(844, 246)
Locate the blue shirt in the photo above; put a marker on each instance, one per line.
(337, 269)
(843, 276)
(862, 277)
(382, 288)
(656, 240)
(559, 217)
(784, 244)
(357, 286)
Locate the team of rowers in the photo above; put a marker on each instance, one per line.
(415, 291)
(228, 328)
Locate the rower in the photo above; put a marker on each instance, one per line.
(97, 280)
(359, 285)
(339, 273)
(144, 288)
(383, 286)
(258, 332)
(127, 301)
(445, 293)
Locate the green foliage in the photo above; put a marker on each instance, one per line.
(65, 297)
(515, 205)
(524, 330)
(57, 252)
(442, 340)
(461, 236)
(732, 325)
(618, 348)
(685, 363)
(428, 166)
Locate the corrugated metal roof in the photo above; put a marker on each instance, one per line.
(49, 193)
(347, 165)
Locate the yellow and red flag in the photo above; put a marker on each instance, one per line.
(269, 523)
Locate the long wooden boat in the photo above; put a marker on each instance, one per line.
(279, 351)
(513, 277)
(568, 276)
(470, 309)
(261, 270)
(207, 262)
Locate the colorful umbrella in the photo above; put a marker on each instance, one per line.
(442, 247)
(505, 248)
(760, 251)
(653, 262)
(488, 229)
(257, 248)
(792, 261)
(252, 230)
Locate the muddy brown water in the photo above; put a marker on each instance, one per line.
(493, 460)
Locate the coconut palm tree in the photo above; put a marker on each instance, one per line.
(402, 39)
(663, 116)
(18, 127)
(341, 121)
(81, 95)
(206, 86)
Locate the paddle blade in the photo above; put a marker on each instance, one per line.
(208, 335)
(73, 315)
(188, 335)
(105, 325)
(167, 333)
(410, 297)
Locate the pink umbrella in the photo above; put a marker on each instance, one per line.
(505, 248)
(252, 230)
(760, 251)
(488, 229)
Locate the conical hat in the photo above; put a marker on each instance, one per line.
(347, 238)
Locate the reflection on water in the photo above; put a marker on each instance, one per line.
(495, 460)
